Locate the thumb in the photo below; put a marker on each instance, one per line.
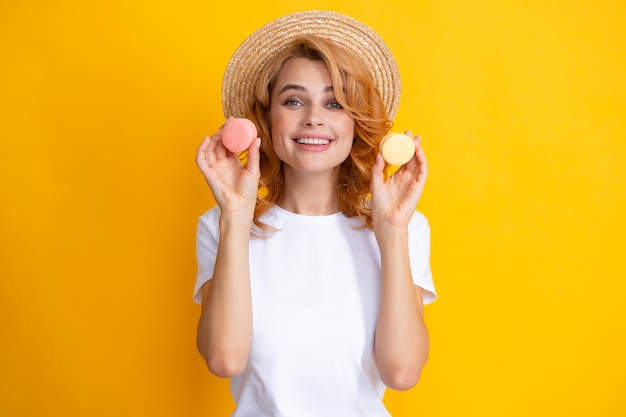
(377, 173)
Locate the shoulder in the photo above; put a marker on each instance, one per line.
(210, 216)
(418, 222)
(419, 230)
(208, 222)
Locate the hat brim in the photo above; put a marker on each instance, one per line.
(253, 54)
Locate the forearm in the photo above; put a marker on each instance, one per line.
(225, 327)
(401, 341)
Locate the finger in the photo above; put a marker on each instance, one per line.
(378, 178)
(411, 165)
(254, 156)
(422, 164)
(202, 151)
(219, 149)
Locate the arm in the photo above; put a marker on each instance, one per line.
(225, 325)
(401, 342)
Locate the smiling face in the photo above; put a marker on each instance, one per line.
(311, 132)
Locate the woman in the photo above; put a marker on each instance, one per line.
(313, 267)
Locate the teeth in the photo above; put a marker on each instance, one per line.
(312, 141)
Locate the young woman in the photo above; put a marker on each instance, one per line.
(313, 268)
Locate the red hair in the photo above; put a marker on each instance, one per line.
(355, 91)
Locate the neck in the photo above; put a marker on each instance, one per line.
(312, 195)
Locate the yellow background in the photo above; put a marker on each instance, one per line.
(522, 109)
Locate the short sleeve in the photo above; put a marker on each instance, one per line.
(419, 253)
(207, 237)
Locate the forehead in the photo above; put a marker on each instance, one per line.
(303, 70)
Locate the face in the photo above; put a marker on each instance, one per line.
(310, 130)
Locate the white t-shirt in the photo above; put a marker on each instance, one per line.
(315, 295)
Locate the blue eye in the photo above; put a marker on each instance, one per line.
(292, 103)
(335, 105)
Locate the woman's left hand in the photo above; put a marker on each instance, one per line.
(394, 201)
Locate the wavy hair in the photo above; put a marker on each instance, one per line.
(355, 91)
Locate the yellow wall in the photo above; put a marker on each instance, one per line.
(523, 114)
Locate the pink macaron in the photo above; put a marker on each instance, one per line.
(238, 134)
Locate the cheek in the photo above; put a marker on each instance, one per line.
(277, 121)
(277, 124)
(349, 127)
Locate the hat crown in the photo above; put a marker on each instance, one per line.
(348, 33)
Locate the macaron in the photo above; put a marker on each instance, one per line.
(397, 148)
(238, 134)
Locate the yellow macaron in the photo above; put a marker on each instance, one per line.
(397, 148)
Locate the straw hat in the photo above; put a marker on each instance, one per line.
(252, 55)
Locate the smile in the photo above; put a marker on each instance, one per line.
(312, 141)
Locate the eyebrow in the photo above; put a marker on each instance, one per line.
(298, 87)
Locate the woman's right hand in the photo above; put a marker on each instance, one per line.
(234, 186)
(225, 326)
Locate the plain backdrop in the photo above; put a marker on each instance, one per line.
(522, 109)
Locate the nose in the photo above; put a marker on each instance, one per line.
(313, 117)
